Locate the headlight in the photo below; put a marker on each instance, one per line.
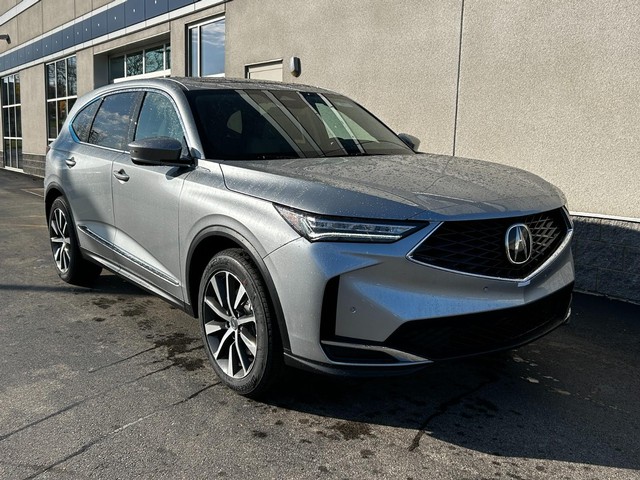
(338, 229)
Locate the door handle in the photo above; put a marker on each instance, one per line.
(121, 175)
(70, 162)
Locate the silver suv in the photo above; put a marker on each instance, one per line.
(301, 230)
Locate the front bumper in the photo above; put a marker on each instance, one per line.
(367, 307)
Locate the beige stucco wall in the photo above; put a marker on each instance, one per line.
(10, 28)
(84, 64)
(56, 13)
(29, 24)
(553, 87)
(33, 100)
(6, 5)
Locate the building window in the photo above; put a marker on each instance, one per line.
(11, 122)
(206, 49)
(62, 93)
(146, 63)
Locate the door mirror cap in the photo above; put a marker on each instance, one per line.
(158, 151)
(412, 142)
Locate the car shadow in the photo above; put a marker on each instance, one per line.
(562, 398)
(107, 283)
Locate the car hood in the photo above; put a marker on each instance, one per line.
(419, 187)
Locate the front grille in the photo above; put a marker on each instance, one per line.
(465, 335)
(478, 246)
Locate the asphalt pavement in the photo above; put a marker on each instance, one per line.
(111, 382)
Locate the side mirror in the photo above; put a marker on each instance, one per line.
(158, 151)
(412, 142)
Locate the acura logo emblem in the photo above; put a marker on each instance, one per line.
(517, 242)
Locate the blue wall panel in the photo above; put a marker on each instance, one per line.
(134, 12)
(115, 18)
(174, 4)
(13, 59)
(47, 46)
(56, 42)
(37, 49)
(28, 53)
(86, 30)
(77, 32)
(153, 8)
(68, 37)
(99, 25)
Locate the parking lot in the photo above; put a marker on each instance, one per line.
(111, 382)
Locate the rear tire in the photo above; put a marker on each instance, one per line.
(238, 325)
(70, 265)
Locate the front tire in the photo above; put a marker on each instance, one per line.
(70, 265)
(238, 325)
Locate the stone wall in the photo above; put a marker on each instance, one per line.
(33, 164)
(607, 256)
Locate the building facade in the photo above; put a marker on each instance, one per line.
(549, 87)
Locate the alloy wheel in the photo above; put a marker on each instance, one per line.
(60, 240)
(230, 324)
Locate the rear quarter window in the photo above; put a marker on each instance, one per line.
(81, 125)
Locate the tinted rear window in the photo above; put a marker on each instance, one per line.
(82, 123)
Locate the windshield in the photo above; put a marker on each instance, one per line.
(264, 124)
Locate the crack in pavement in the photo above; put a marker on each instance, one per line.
(444, 407)
(123, 359)
(80, 402)
(36, 422)
(195, 394)
(33, 466)
(106, 436)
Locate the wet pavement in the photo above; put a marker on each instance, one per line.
(111, 382)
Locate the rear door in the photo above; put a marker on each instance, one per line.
(146, 202)
(100, 130)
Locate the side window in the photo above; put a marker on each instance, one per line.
(82, 123)
(158, 118)
(111, 126)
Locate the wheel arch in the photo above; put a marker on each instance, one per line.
(212, 241)
(53, 192)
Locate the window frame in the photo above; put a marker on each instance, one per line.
(198, 26)
(164, 72)
(69, 99)
(12, 110)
